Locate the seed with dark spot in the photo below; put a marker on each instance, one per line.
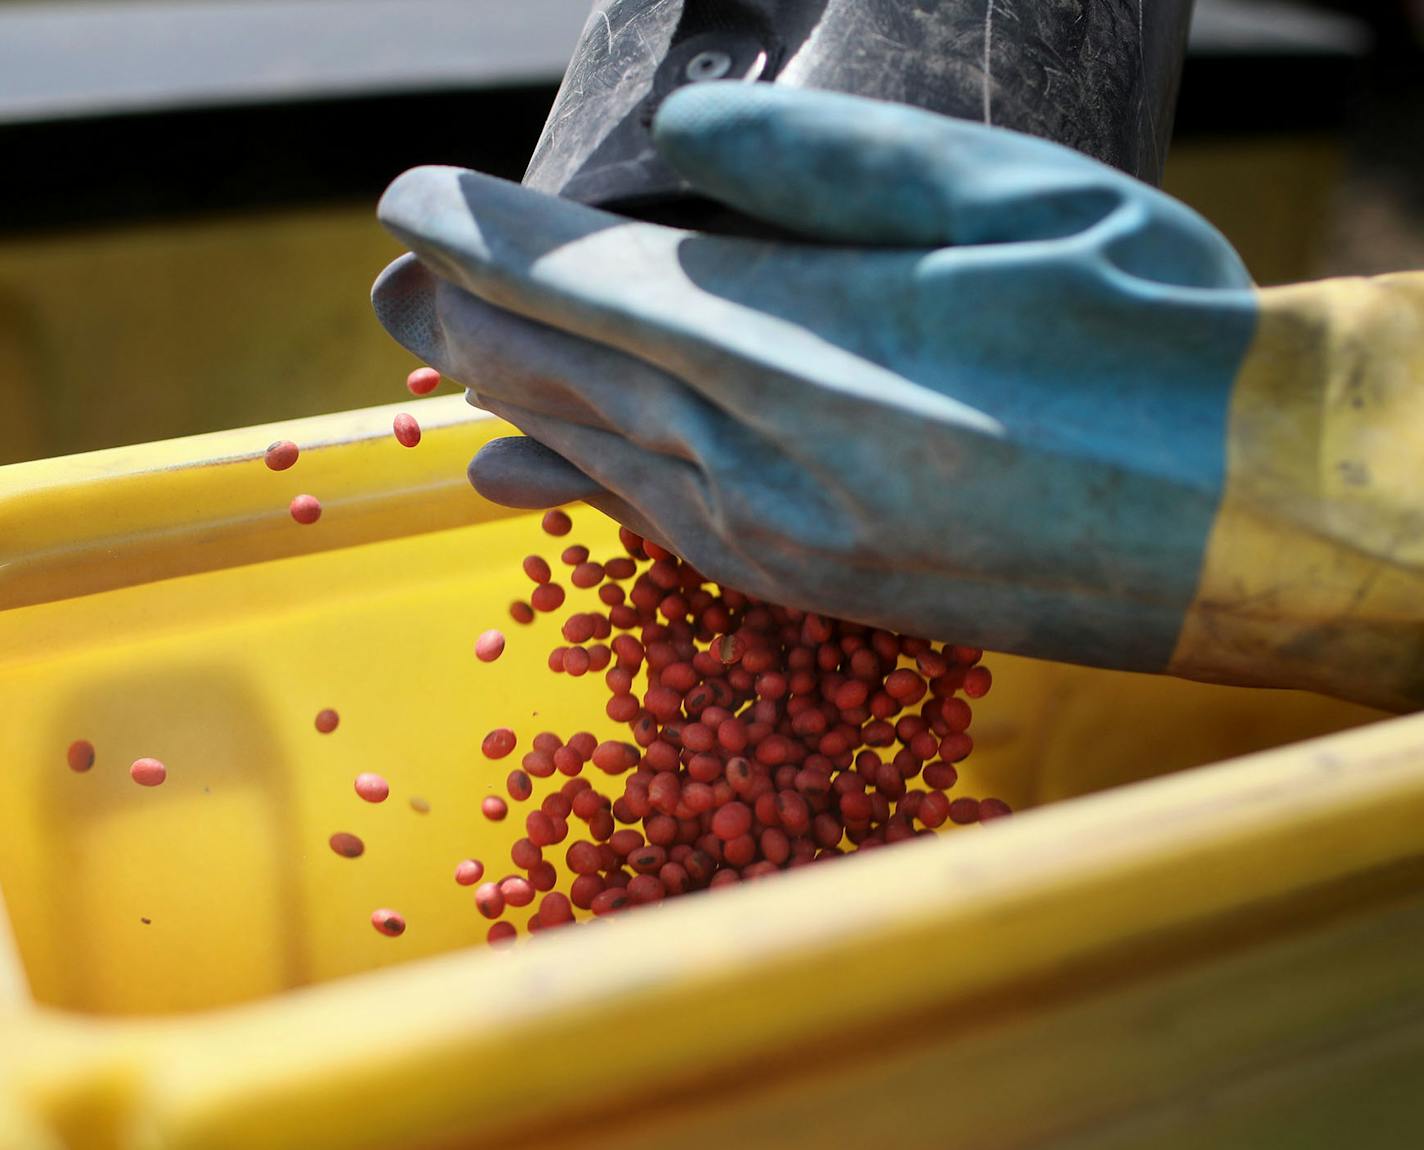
(388, 922)
(80, 755)
(281, 455)
(347, 845)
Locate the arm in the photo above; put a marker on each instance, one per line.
(1313, 575)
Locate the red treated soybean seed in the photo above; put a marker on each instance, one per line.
(407, 430)
(521, 612)
(372, 788)
(489, 899)
(494, 808)
(990, 809)
(620, 567)
(469, 872)
(547, 597)
(305, 509)
(281, 455)
(388, 922)
(537, 568)
(489, 646)
(501, 933)
(498, 743)
(556, 522)
(348, 846)
(977, 681)
(574, 555)
(422, 381)
(80, 755)
(148, 772)
(327, 720)
(555, 909)
(525, 854)
(519, 786)
(587, 575)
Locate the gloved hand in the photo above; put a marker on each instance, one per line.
(1010, 397)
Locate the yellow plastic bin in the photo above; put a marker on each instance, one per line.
(1226, 956)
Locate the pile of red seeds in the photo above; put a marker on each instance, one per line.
(760, 738)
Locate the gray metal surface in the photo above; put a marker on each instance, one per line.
(1267, 28)
(77, 58)
(62, 60)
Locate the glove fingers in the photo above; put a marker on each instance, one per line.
(680, 304)
(521, 472)
(660, 498)
(501, 356)
(661, 486)
(847, 169)
(488, 350)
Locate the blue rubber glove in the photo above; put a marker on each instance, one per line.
(988, 405)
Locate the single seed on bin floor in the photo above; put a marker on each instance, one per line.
(494, 808)
(537, 568)
(990, 809)
(305, 509)
(422, 381)
(498, 743)
(348, 846)
(557, 522)
(519, 786)
(372, 788)
(469, 872)
(521, 612)
(501, 933)
(281, 455)
(574, 555)
(148, 772)
(327, 720)
(388, 922)
(419, 805)
(489, 646)
(80, 755)
(407, 430)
